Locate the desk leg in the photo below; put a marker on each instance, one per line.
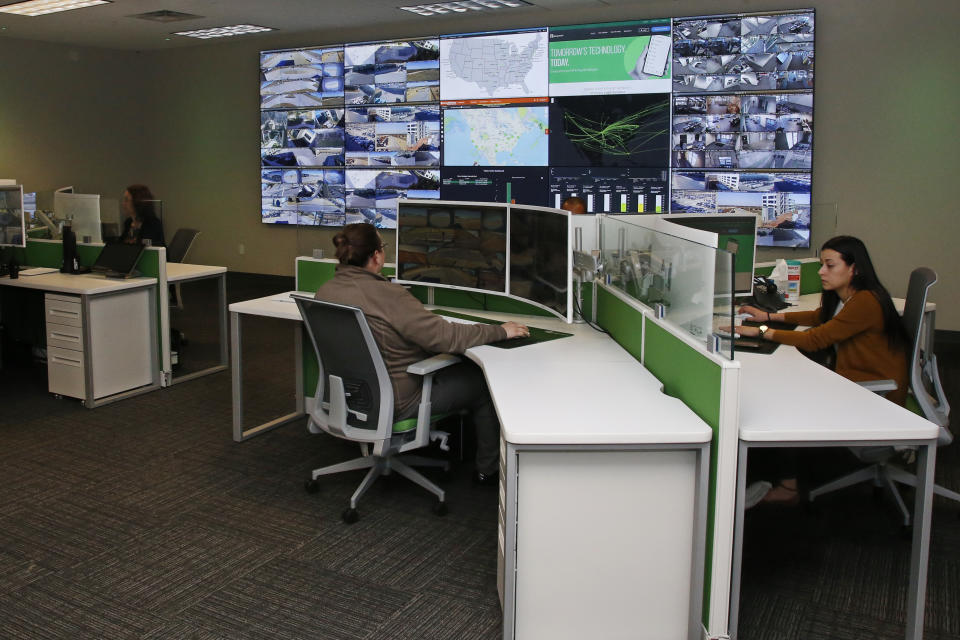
(222, 292)
(737, 564)
(920, 549)
(236, 377)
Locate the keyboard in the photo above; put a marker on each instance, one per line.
(536, 333)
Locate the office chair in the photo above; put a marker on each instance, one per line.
(177, 251)
(926, 392)
(354, 401)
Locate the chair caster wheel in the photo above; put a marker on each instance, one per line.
(440, 508)
(350, 515)
(311, 486)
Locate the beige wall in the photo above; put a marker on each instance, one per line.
(885, 103)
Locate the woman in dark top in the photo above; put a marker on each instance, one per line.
(142, 222)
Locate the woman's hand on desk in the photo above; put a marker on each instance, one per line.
(759, 315)
(515, 330)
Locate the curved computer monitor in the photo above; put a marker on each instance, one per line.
(83, 210)
(459, 245)
(521, 252)
(540, 258)
(13, 229)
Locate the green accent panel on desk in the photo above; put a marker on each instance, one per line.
(44, 254)
(623, 322)
(586, 302)
(310, 275)
(148, 265)
(88, 255)
(809, 280)
(38, 232)
(694, 379)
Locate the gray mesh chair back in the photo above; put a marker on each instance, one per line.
(180, 246)
(348, 355)
(924, 376)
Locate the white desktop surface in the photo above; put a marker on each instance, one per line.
(823, 407)
(79, 284)
(601, 394)
(279, 305)
(810, 301)
(178, 271)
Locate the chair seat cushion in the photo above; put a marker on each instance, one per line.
(402, 426)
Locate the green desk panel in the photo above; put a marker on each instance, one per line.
(694, 379)
(623, 322)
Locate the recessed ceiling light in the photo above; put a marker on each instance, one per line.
(442, 8)
(223, 32)
(42, 7)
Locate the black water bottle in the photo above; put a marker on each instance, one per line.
(69, 250)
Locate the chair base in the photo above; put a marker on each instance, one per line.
(882, 474)
(382, 466)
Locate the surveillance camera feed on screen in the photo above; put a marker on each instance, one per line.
(456, 245)
(624, 115)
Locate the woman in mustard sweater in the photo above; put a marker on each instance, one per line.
(856, 317)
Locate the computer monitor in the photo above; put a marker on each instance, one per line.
(459, 245)
(30, 208)
(83, 210)
(737, 234)
(540, 256)
(13, 230)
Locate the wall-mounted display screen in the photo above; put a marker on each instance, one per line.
(621, 113)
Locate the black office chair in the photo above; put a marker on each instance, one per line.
(926, 393)
(354, 401)
(177, 251)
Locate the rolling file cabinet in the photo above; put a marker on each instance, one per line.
(99, 344)
(101, 333)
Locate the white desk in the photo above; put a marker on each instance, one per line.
(178, 273)
(603, 486)
(844, 414)
(603, 490)
(101, 334)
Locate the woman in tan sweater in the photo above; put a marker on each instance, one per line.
(856, 316)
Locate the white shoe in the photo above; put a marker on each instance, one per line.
(755, 493)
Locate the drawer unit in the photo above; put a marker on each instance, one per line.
(65, 336)
(64, 310)
(65, 357)
(65, 372)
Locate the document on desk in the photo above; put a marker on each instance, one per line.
(38, 271)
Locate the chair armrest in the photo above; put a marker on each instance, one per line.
(432, 364)
(878, 386)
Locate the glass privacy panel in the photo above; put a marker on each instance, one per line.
(690, 284)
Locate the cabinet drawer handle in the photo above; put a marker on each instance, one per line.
(64, 314)
(66, 361)
(64, 336)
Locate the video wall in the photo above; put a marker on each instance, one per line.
(711, 114)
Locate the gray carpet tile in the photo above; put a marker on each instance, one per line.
(177, 630)
(294, 599)
(16, 571)
(472, 576)
(59, 534)
(437, 617)
(56, 608)
(172, 568)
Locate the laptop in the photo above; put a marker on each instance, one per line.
(118, 260)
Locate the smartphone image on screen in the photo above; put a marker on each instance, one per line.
(658, 50)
